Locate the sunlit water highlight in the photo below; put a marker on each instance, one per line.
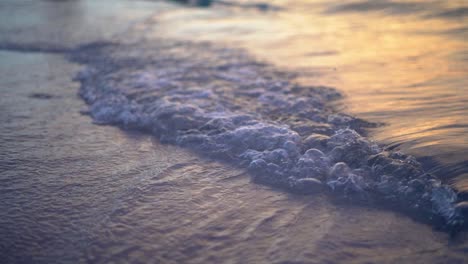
(403, 64)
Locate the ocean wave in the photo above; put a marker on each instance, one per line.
(221, 102)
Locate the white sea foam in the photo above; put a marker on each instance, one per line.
(224, 104)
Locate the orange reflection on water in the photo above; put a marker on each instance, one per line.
(400, 63)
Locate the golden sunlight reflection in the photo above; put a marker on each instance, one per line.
(399, 63)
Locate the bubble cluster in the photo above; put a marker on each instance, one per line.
(224, 104)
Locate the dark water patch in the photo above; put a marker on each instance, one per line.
(34, 47)
(455, 13)
(461, 32)
(260, 6)
(323, 53)
(435, 167)
(451, 126)
(201, 3)
(222, 103)
(43, 96)
(384, 6)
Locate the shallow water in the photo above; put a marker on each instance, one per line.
(222, 103)
(402, 64)
(75, 192)
(72, 191)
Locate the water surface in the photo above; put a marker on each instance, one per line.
(72, 191)
(400, 63)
